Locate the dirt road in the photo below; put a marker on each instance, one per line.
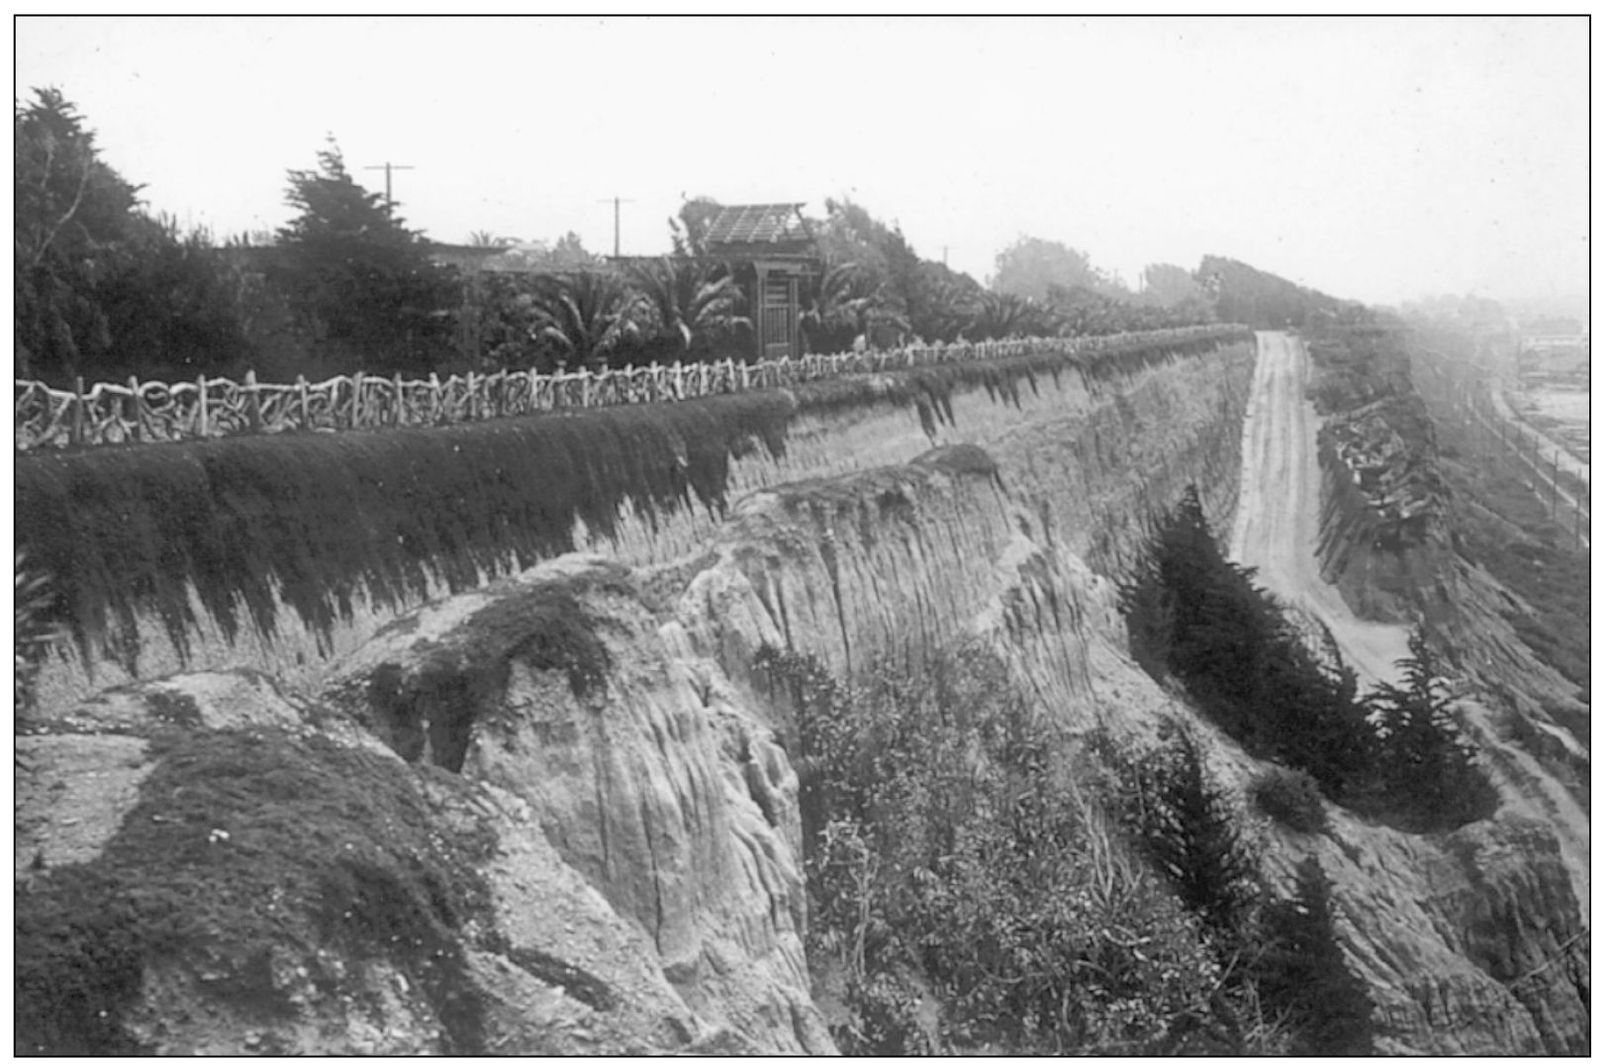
(1277, 520)
(1276, 529)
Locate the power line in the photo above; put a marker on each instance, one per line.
(389, 167)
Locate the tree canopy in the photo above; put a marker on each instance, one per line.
(102, 288)
(363, 283)
(1030, 265)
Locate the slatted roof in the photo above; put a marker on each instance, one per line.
(758, 223)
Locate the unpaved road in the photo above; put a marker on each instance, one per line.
(1276, 529)
(1277, 523)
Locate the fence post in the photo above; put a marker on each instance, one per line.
(134, 403)
(435, 416)
(469, 388)
(302, 402)
(201, 405)
(397, 397)
(254, 411)
(78, 410)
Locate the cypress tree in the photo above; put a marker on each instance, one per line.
(1302, 971)
(1192, 831)
(1425, 760)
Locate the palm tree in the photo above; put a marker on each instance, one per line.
(1001, 315)
(698, 305)
(584, 314)
(846, 302)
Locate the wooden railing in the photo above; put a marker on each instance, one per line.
(153, 411)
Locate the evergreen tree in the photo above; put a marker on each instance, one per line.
(1427, 764)
(103, 289)
(1302, 971)
(1192, 831)
(362, 282)
(1198, 616)
(70, 207)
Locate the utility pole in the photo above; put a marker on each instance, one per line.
(617, 200)
(389, 167)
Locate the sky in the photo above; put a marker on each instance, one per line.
(1375, 159)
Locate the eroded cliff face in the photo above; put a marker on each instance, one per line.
(617, 856)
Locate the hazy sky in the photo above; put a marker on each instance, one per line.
(1376, 159)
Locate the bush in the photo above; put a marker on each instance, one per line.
(1292, 798)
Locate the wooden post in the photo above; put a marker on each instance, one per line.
(435, 416)
(397, 397)
(254, 410)
(201, 405)
(469, 387)
(302, 401)
(134, 404)
(78, 410)
(531, 389)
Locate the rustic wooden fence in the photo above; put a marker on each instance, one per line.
(151, 411)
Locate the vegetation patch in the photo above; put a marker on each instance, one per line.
(1288, 987)
(245, 848)
(317, 520)
(462, 679)
(977, 885)
(1397, 753)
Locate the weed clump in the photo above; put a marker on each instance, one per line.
(245, 847)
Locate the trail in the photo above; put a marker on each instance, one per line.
(1276, 529)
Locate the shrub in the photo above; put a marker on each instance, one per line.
(1292, 798)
